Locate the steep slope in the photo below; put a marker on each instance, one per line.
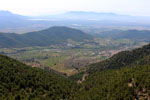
(21, 82)
(140, 56)
(125, 58)
(125, 76)
(53, 35)
(130, 83)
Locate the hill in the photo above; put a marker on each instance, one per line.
(51, 36)
(21, 82)
(129, 83)
(139, 56)
(125, 76)
(134, 57)
(129, 34)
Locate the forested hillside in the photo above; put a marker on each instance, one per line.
(125, 58)
(51, 36)
(129, 83)
(139, 56)
(125, 76)
(21, 82)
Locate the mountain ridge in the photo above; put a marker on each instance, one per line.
(99, 16)
(53, 35)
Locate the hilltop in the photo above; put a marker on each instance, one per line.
(50, 36)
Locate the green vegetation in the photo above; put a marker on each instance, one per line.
(51, 36)
(68, 58)
(65, 49)
(124, 76)
(130, 58)
(64, 59)
(122, 59)
(97, 65)
(122, 84)
(21, 82)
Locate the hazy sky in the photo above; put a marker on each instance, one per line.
(37, 7)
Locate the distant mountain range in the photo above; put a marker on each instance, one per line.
(51, 36)
(8, 15)
(95, 16)
(79, 15)
(10, 22)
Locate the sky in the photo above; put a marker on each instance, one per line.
(47, 7)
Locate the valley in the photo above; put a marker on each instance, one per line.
(71, 57)
(74, 50)
(44, 65)
(65, 59)
(68, 54)
(123, 76)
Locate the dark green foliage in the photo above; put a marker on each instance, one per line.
(53, 35)
(125, 58)
(125, 76)
(18, 81)
(140, 56)
(77, 76)
(123, 84)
